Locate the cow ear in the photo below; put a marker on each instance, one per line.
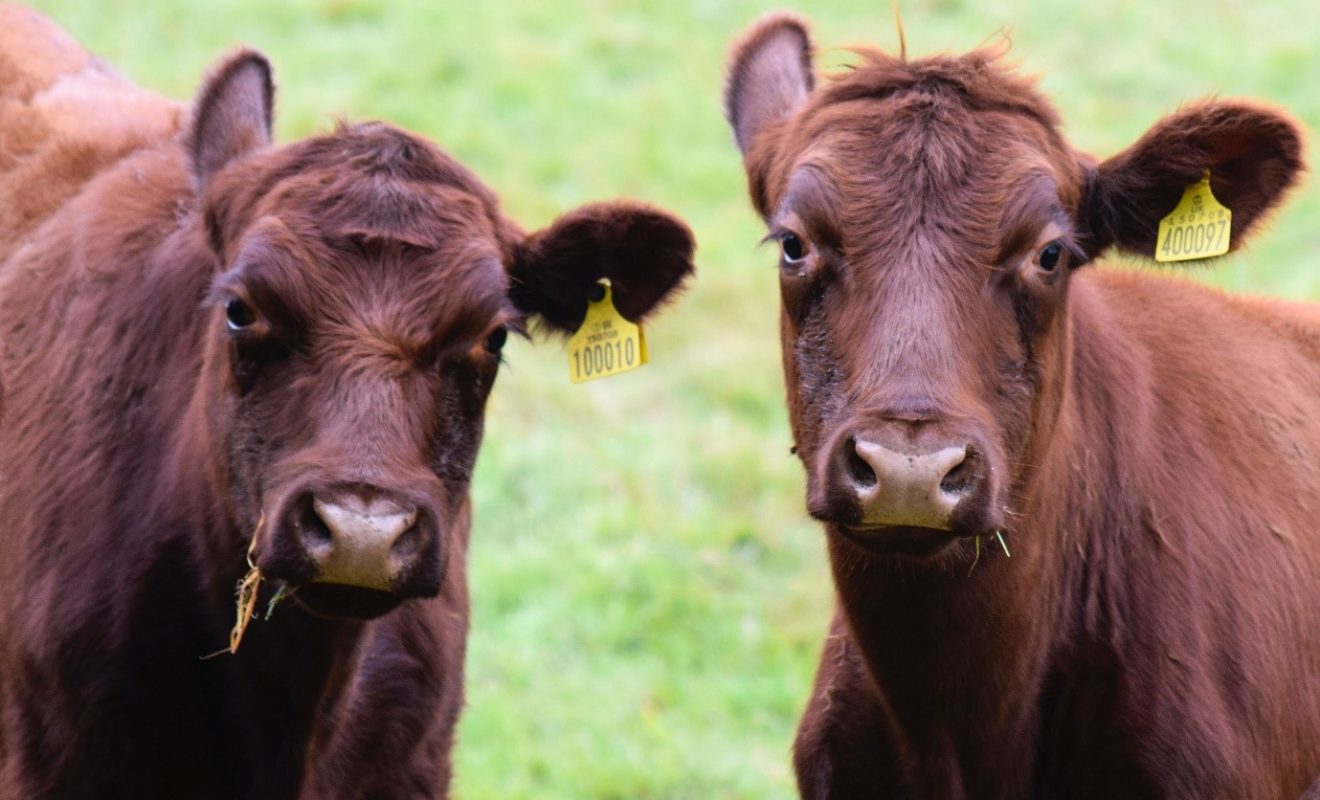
(1253, 156)
(232, 114)
(769, 75)
(645, 254)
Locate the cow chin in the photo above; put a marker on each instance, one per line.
(339, 601)
(336, 595)
(915, 542)
(332, 599)
(906, 542)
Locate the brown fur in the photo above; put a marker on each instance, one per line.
(143, 441)
(65, 113)
(1147, 446)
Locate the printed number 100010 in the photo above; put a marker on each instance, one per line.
(598, 359)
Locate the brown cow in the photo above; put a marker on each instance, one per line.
(958, 372)
(205, 336)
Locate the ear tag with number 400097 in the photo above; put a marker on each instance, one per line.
(606, 344)
(1198, 228)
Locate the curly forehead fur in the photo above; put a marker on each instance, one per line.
(368, 180)
(979, 80)
(873, 90)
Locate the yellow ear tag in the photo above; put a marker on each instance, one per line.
(606, 344)
(1198, 228)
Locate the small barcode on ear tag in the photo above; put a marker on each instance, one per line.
(1198, 228)
(606, 344)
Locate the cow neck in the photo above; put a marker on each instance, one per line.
(955, 657)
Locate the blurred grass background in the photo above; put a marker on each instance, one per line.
(649, 597)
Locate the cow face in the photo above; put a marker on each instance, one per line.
(367, 285)
(929, 219)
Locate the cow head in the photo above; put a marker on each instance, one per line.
(930, 219)
(367, 283)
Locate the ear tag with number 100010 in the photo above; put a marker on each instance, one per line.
(606, 344)
(1198, 228)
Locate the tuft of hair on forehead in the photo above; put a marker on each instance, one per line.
(378, 149)
(980, 79)
(374, 182)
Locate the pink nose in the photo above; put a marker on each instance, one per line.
(917, 489)
(360, 541)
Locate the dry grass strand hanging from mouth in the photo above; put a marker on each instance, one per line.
(248, 589)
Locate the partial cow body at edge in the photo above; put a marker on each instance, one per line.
(220, 352)
(959, 371)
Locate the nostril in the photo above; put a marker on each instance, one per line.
(960, 479)
(408, 543)
(861, 472)
(313, 530)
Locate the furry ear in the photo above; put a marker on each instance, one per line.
(1254, 156)
(232, 113)
(646, 254)
(769, 75)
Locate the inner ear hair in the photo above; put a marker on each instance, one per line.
(769, 75)
(232, 115)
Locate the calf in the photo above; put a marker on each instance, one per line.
(963, 383)
(220, 353)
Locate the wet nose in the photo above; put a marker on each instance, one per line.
(364, 539)
(917, 489)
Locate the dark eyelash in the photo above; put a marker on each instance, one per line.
(1071, 247)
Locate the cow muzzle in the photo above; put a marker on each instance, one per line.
(360, 542)
(912, 489)
(355, 550)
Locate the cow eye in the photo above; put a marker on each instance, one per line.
(1049, 257)
(793, 247)
(495, 341)
(239, 314)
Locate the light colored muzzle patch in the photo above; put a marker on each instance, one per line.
(908, 490)
(362, 547)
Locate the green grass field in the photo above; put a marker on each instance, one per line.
(649, 594)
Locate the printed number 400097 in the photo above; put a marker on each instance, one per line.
(1197, 238)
